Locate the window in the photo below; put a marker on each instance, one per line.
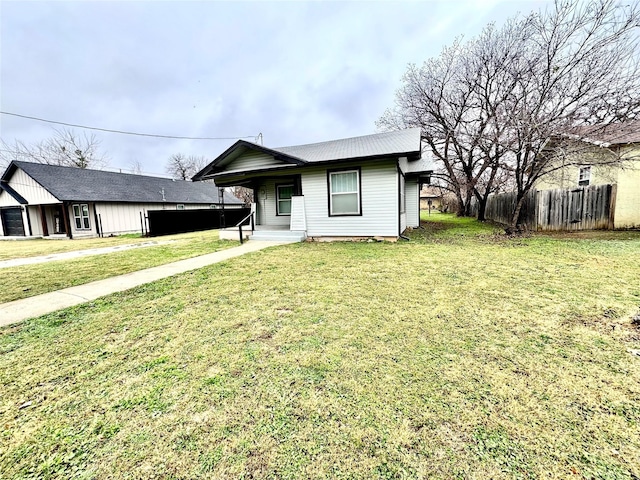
(81, 216)
(283, 199)
(584, 177)
(344, 192)
(180, 206)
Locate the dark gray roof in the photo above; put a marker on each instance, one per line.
(76, 184)
(379, 144)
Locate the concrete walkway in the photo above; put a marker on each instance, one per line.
(18, 310)
(16, 262)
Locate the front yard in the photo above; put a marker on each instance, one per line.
(29, 280)
(460, 354)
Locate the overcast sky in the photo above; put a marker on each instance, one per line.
(297, 72)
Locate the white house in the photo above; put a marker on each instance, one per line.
(359, 187)
(38, 200)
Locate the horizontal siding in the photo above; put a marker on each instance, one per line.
(403, 163)
(379, 203)
(267, 206)
(413, 203)
(31, 190)
(253, 160)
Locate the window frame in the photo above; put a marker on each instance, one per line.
(358, 192)
(180, 206)
(81, 217)
(278, 199)
(584, 178)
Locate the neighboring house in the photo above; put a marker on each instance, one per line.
(430, 198)
(358, 187)
(38, 200)
(601, 156)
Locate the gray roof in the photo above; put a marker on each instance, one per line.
(379, 144)
(76, 184)
(389, 144)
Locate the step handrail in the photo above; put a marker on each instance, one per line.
(239, 225)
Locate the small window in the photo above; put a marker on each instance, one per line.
(81, 216)
(283, 199)
(584, 177)
(344, 192)
(180, 206)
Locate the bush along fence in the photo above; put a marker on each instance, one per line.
(166, 222)
(584, 208)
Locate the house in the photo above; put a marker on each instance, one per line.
(353, 188)
(430, 198)
(38, 200)
(603, 156)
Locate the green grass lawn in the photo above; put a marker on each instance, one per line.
(28, 280)
(460, 354)
(32, 248)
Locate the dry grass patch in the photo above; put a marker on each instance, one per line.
(434, 359)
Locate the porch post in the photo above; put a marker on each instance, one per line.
(65, 216)
(43, 220)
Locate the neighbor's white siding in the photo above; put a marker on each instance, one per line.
(7, 200)
(379, 193)
(36, 224)
(413, 203)
(118, 218)
(32, 191)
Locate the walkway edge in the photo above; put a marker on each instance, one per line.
(19, 310)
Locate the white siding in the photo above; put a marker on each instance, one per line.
(298, 214)
(403, 163)
(36, 224)
(118, 218)
(379, 203)
(413, 203)
(32, 191)
(252, 160)
(267, 204)
(7, 200)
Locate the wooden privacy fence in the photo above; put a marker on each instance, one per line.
(584, 208)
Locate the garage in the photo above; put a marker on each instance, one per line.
(12, 221)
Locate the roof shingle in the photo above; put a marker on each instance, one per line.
(76, 184)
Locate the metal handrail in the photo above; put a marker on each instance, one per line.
(239, 225)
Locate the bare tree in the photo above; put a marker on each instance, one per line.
(489, 108)
(65, 147)
(580, 69)
(243, 193)
(182, 167)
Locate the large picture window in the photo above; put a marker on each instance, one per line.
(81, 216)
(344, 192)
(283, 199)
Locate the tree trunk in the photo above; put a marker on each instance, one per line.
(482, 207)
(514, 227)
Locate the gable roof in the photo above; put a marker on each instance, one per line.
(77, 184)
(388, 144)
(607, 135)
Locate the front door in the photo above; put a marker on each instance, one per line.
(58, 220)
(12, 222)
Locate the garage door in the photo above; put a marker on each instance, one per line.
(12, 221)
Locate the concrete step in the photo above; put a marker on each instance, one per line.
(278, 236)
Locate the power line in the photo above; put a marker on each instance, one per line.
(123, 132)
